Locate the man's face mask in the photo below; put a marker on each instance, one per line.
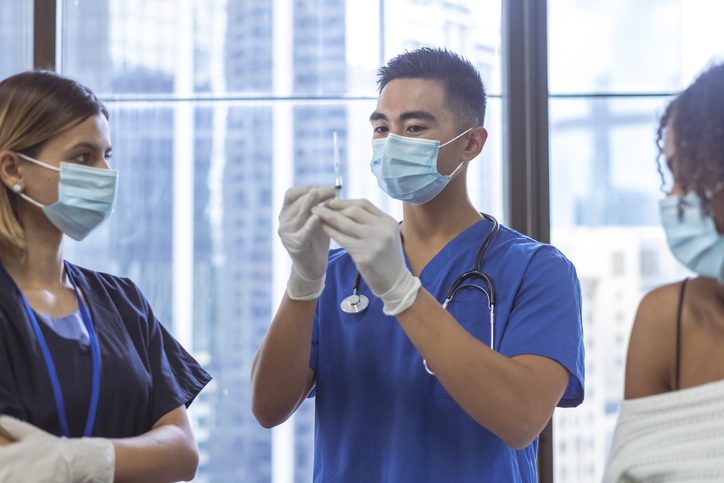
(406, 168)
(693, 239)
(85, 197)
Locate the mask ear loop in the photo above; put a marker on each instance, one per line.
(461, 162)
(456, 169)
(18, 190)
(39, 163)
(457, 137)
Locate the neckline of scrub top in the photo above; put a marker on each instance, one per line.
(461, 238)
(86, 316)
(68, 327)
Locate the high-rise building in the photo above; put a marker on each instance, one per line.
(16, 38)
(210, 172)
(319, 69)
(603, 202)
(629, 261)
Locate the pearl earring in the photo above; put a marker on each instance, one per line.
(17, 188)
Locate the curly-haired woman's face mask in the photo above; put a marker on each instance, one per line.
(692, 235)
(693, 238)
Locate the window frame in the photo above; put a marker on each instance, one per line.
(525, 116)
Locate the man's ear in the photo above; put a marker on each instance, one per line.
(476, 141)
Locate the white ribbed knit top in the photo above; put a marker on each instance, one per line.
(671, 437)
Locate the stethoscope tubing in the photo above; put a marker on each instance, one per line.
(357, 303)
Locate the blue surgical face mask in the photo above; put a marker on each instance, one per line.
(85, 197)
(693, 239)
(406, 168)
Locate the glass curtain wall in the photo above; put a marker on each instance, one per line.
(16, 36)
(215, 111)
(613, 66)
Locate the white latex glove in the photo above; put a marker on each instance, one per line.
(307, 244)
(372, 239)
(37, 456)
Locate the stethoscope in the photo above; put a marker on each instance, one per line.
(356, 303)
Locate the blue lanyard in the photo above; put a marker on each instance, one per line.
(50, 364)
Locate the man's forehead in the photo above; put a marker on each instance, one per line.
(411, 88)
(400, 97)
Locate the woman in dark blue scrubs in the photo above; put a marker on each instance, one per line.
(92, 387)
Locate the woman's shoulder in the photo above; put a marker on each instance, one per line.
(659, 306)
(102, 283)
(651, 355)
(100, 277)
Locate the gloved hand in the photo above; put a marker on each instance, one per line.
(372, 239)
(305, 241)
(37, 456)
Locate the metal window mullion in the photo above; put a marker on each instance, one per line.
(45, 34)
(525, 97)
(525, 101)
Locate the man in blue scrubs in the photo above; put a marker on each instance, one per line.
(380, 415)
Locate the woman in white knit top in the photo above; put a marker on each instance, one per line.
(671, 425)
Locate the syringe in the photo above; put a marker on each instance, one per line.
(337, 166)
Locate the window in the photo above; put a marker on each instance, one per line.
(613, 65)
(215, 112)
(16, 37)
(618, 262)
(217, 109)
(649, 262)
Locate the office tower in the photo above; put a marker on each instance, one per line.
(194, 224)
(16, 38)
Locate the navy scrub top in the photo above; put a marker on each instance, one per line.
(145, 371)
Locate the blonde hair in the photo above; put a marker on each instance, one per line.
(35, 107)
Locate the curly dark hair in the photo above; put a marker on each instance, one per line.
(696, 117)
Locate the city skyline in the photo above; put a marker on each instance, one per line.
(202, 178)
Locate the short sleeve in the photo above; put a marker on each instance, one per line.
(177, 378)
(546, 319)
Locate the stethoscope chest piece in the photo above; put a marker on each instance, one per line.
(354, 304)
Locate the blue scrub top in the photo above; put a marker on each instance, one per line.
(380, 417)
(145, 373)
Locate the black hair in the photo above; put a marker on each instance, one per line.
(696, 117)
(463, 87)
